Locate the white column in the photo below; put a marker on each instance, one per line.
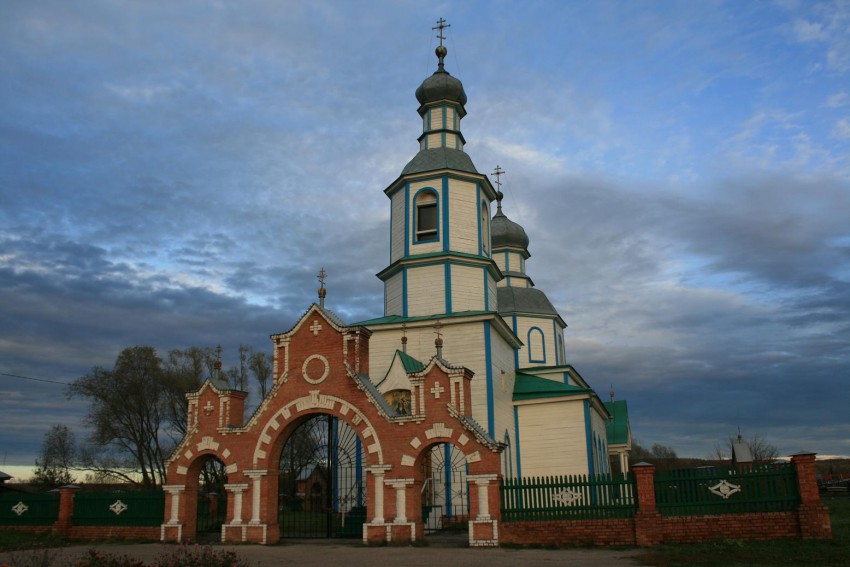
(236, 490)
(379, 471)
(400, 485)
(624, 462)
(483, 483)
(174, 490)
(256, 477)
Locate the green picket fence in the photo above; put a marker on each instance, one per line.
(22, 509)
(725, 490)
(570, 497)
(119, 508)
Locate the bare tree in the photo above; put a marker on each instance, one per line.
(260, 366)
(184, 371)
(58, 457)
(127, 412)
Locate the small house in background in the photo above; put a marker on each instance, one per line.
(741, 454)
(619, 434)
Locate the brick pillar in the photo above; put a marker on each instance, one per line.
(813, 515)
(66, 509)
(648, 530)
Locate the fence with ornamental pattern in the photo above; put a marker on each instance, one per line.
(570, 497)
(727, 490)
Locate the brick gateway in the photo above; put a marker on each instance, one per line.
(321, 368)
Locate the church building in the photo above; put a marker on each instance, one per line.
(459, 272)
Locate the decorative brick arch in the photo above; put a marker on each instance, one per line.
(321, 367)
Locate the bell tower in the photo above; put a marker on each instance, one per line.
(440, 249)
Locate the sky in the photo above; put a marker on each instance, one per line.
(175, 174)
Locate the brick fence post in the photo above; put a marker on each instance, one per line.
(813, 515)
(65, 520)
(648, 529)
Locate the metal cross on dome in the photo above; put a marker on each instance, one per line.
(498, 172)
(441, 25)
(323, 275)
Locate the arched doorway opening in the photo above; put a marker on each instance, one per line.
(212, 496)
(445, 492)
(322, 484)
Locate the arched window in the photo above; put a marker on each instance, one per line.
(507, 462)
(536, 345)
(426, 217)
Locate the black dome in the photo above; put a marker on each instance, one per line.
(441, 86)
(506, 233)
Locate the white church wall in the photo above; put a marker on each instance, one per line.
(463, 216)
(467, 288)
(504, 376)
(597, 425)
(394, 296)
(493, 297)
(397, 229)
(426, 290)
(538, 347)
(552, 438)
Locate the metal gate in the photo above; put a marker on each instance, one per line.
(322, 484)
(445, 493)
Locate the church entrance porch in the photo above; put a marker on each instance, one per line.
(322, 484)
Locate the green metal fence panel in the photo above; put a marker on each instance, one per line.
(726, 490)
(119, 508)
(570, 497)
(22, 509)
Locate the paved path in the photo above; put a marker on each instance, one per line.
(354, 555)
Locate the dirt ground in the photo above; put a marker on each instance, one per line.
(315, 553)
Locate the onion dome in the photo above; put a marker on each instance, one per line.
(441, 85)
(505, 233)
(525, 300)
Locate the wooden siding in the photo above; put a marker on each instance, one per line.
(393, 295)
(493, 299)
(397, 229)
(545, 325)
(436, 118)
(552, 439)
(467, 288)
(426, 290)
(463, 216)
(502, 356)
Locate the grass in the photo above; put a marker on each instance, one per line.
(734, 553)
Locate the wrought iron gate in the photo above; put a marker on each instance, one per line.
(322, 482)
(445, 493)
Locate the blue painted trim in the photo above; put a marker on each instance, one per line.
(478, 214)
(447, 271)
(508, 281)
(529, 344)
(516, 350)
(555, 336)
(446, 242)
(335, 472)
(445, 111)
(518, 453)
(567, 378)
(413, 213)
(358, 448)
(391, 229)
(590, 468)
(507, 261)
(443, 138)
(508, 450)
(447, 470)
(404, 292)
(488, 358)
(486, 290)
(407, 214)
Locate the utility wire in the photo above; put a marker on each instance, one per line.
(34, 379)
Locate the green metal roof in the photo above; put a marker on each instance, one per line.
(410, 364)
(400, 319)
(529, 387)
(617, 427)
